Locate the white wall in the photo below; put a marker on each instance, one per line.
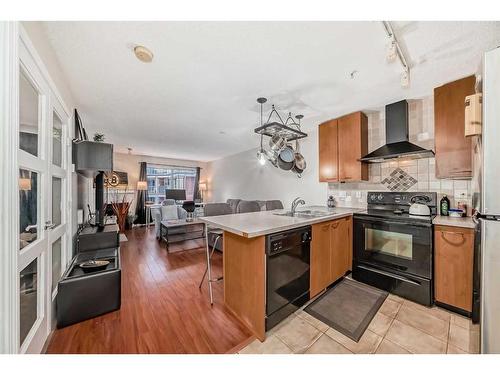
(241, 176)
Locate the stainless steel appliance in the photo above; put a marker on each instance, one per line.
(488, 217)
(393, 249)
(287, 273)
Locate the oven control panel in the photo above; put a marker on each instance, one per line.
(399, 198)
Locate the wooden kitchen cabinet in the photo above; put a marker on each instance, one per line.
(342, 142)
(353, 145)
(328, 151)
(331, 253)
(453, 266)
(341, 248)
(453, 149)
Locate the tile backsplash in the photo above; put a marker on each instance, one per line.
(417, 175)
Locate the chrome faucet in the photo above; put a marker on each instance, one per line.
(295, 203)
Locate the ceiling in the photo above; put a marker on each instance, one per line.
(196, 100)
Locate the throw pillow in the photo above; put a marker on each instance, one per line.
(169, 212)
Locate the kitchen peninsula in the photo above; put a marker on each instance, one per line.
(244, 255)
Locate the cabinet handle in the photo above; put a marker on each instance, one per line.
(443, 236)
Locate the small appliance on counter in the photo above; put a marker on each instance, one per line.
(330, 202)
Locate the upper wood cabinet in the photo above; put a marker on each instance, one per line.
(453, 149)
(328, 151)
(342, 142)
(453, 266)
(331, 253)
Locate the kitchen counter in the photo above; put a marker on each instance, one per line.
(461, 222)
(254, 224)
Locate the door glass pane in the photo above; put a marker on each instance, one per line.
(28, 299)
(56, 141)
(389, 243)
(28, 116)
(56, 200)
(28, 207)
(56, 262)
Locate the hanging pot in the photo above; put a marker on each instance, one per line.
(277, 143)
(286, 158)
(300, 161)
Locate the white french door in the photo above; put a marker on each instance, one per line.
(43, 201)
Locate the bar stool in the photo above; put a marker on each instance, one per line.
(213, 209)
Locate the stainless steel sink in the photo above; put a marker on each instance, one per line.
(304, 214)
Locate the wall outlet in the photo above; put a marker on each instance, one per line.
(460, 194)
(348, 198)
(359, 194)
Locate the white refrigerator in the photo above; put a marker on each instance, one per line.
(489, 211)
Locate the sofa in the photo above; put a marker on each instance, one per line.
(168, 210)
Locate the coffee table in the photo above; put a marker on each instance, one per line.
(181, 230)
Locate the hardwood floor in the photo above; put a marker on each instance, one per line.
(162, 310)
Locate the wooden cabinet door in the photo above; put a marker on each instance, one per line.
(328, 152)
(453, 149)
(320, 275)
(352, 145)
(453, 266)
(341, 248)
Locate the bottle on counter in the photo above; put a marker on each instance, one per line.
(330, 202)
(444, 206)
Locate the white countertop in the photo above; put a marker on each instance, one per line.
(462, 222)
(254, 224)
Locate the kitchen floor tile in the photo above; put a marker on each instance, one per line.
(390, 308)
(316, 323)
(325, 345)
(395, 298)
(298, 334)
(464, 339)
(283, 323)
(463, 322)
(424, 321)
(366, 345)
(388, 347)
(414, 340)
(380, 324)
(272, 345)
(435, 311)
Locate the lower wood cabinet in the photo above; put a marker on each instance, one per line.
(453, 266)
(331, 252)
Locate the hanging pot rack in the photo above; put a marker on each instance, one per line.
(288, 129)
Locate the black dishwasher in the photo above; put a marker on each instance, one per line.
(287, 273)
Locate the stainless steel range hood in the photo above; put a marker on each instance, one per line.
(396, 131)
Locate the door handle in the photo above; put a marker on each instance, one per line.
(49, 225)
(394, 276)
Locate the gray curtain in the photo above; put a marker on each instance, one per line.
(196, 194)
(142, 196)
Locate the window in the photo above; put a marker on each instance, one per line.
(162, 177)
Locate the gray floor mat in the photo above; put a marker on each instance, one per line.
(348, 307)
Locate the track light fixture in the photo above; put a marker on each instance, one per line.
(394, 51)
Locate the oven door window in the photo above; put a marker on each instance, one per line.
(393, 245)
